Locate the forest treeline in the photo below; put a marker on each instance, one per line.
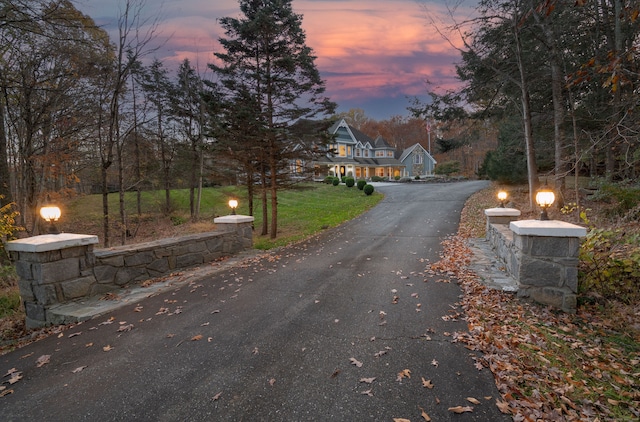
(557, 80)
(554, 82)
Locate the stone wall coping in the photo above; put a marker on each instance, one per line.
(547, 228)
(234, 219)
(502, 212)
(51, 242)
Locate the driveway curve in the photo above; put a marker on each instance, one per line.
(347, 326)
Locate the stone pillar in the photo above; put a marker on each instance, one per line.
(52, 269)
(242, 225)
(501, 215)
(547, 270)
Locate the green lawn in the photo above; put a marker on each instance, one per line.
(303, 210)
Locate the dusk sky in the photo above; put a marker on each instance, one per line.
(373, 54)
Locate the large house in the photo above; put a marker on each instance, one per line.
(352, 153)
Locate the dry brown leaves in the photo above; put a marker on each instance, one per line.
(547, 365)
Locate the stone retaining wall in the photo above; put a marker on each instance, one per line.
(542, 257)
(58, 269)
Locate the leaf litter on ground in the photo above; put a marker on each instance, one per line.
(547, 365)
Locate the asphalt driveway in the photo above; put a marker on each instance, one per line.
(347, 326)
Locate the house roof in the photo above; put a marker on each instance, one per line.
(355, 133)
(412, 148)
(381, 143)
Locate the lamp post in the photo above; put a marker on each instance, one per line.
(51, 214)
(233, 204)
(544, 199)
(502, 196)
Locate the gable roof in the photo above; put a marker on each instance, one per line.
(381, 143)
(355, 134)
(407, 152)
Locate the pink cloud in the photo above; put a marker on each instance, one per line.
(365, 48)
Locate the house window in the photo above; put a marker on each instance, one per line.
(342, 150)
(417, 158)
(390, 154)
(366, 153)
(380, 171)
(349, 151)
(379, 153)
(358, 152)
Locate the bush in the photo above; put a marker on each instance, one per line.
(8, 227)
(377, 179)
(447, 168)
(368, 189)
(610, 264)
(329, 180)
(624, 198)
(349, 181)
(361, 184)
(336, 181)
(396, 177)
(417, 177)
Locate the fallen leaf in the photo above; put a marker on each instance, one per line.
(43, 360)
(196, 337)
(367, 393)
(124, 328)
(401, 420)
(427, 383)
(217, 396)
(405, 373)
(503, 406)
(88, 345)
(368, 380)
(380, 353)
(461, 409)
(272, 381)
(107, 348)
(355, 362)
(424, 415)
(78, 369)
(434, 363)
(473, 400)
(75, 334)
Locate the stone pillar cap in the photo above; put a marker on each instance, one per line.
(502, 212)
(234, 219)
(548, 228)
(51, 242)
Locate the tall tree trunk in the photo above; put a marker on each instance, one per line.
(274, 199)
(263, 194)
(532, 168)
(5, 175)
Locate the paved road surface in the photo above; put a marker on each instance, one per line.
(287, 337)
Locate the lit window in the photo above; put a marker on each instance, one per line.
(342, 150)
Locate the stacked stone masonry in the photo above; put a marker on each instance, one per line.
(49, 276)
(543, 261)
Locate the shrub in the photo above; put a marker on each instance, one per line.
(177, 220)
(349, 181)
(377, 179)
(417, 177)
(8, 227)
(624, 198)
(447, 168)
(396, 177)
(329, 180)
(368, 189)
(336, 181)
(610, 264)
(361, 184)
